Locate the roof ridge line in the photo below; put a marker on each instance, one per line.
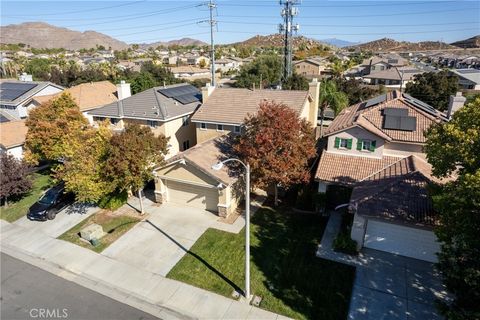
(371, 175)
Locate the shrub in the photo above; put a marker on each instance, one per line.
(343, 242)
(114, 200)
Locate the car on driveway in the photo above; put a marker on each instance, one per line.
(52, 202)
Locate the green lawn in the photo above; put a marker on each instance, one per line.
(284, 269)
(114, 226)
(16, 210)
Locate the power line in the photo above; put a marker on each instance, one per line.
(357, 26)
(338, 6)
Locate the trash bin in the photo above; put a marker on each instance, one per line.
(95, 242)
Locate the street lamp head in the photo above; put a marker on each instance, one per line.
(217, 166)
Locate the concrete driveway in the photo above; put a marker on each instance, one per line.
(64, 220)
(395, 287)
(158, 243)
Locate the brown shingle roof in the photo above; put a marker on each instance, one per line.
(232, 105)
(88, 95)
(208, 153)
(371, 118)
(347, 169)
(397, 193)
(12, 133)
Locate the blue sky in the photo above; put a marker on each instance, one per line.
(160, 20)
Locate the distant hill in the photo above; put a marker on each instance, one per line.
(179, 42)
(473, 42)
(338, 42)
(387, 44)
(44, 35)
(276, 40)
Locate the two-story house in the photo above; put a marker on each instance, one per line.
(188, 179)
(16, 97)
(310, 68)
(376, 148)
(166, 110)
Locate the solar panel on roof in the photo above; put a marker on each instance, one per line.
(183, 94)
(406, 123)
(421, 105)
(391, 122)
(187, 98)
(395, 112)
(376, 100)
(10, 91)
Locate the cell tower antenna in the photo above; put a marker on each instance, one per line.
(211, 6)
(287, 28)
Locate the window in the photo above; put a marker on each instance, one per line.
(219, 127)
(152, 124)
(203, 126)
(366, 145)
(186, 145)
(113, 121)
(185, 121)
(236, 129)
(343, 143)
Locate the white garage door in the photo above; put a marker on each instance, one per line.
(192, 196)
(405, 241)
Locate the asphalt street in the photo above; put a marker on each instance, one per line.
(28, 292)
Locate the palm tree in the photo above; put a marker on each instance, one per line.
(330, 97)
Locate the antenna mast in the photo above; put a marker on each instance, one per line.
(212, 5)
(288, 12)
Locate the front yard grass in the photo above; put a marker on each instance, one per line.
(284, 269)
(16, 210)
(114, 226)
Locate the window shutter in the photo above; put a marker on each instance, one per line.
(349, 143)
(337, 142)
(359, 144)
(373, 144)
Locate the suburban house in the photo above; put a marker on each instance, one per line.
(188, 178)
(16, 97)
(195, 60)
(224, 109)
(88, 96)
(166, 110)
(393, 77)
(310, 68)
(381, 63)
(376, 148)
(12, 137)
(190, 72)
(468, 78)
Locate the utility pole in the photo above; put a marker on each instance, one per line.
(213, 23)
(288, 12)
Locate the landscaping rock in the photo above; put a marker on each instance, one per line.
(93, 231)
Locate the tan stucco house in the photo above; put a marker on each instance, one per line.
(376, 148)
(310, 68)
(224, 109)
(166, 110)
(189, 180)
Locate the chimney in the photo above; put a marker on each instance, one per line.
(455, 103)
(206, 92)
(314, 90)
(123, 90)
(25, 77)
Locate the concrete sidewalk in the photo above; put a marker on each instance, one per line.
(144, 290)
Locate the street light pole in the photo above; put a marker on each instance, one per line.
(219, 166)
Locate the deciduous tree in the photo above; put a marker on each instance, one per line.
(278, 145)
(51, 128)
(14, 180)
(266, 70)
(453, 147)
(132, 155)
(433, 88)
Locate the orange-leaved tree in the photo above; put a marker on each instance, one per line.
(278, 145)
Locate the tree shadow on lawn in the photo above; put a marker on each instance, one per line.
(285, 253)
(196, 256)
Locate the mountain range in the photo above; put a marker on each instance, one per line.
(44, 35)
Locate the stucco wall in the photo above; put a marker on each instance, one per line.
(403, 149)
(210, 132)
(186, 173)
(308, 69)
(355, 134)
(17, 152)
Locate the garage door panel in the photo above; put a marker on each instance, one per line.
(410, 242)
(192, 196)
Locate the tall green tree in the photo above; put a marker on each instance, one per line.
(295, 82)
(51, 129)
(14, 180)
(356, 91)
(265, 70)
(132, 155)
(331, 97)
(433, 88)
(84, 172)
(453, 148)
(142, 82)
(278, 145)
